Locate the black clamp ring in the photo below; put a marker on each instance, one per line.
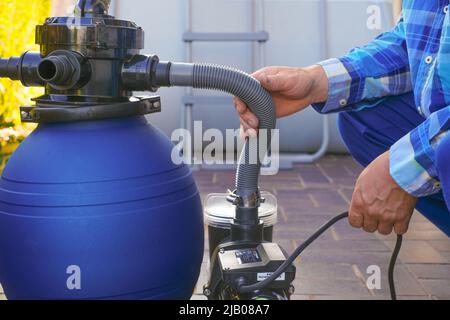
(53, 113)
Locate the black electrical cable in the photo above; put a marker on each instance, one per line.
(262, 284)
(395, 253)
(291, 259)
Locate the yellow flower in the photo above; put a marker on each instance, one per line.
(17, 35)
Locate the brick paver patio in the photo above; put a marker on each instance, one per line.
(335, 266)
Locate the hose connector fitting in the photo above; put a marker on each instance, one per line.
(64, 70)
(145, 73)
(23, 68)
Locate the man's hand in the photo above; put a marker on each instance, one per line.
(378, 202)
(292, 90)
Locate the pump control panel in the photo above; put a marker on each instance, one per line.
(244, 264)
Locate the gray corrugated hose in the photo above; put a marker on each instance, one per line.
(242, 85)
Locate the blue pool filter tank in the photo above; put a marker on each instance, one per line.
(102, 199)
(91, 204)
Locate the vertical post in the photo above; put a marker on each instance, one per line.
(262, 26)
(255, 64)
(323, 29)
(324, 54)
(187, 113)
(397, 7)
(258, 24)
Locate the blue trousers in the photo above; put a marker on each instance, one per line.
(372, 131)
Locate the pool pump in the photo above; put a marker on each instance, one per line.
(92, 205)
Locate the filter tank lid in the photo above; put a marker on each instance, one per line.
(220, 213)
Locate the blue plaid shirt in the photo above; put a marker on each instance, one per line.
(414, 56)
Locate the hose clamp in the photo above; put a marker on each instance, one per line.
(252, 200)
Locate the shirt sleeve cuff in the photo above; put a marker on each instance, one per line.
(339, 85)
(408, 173)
